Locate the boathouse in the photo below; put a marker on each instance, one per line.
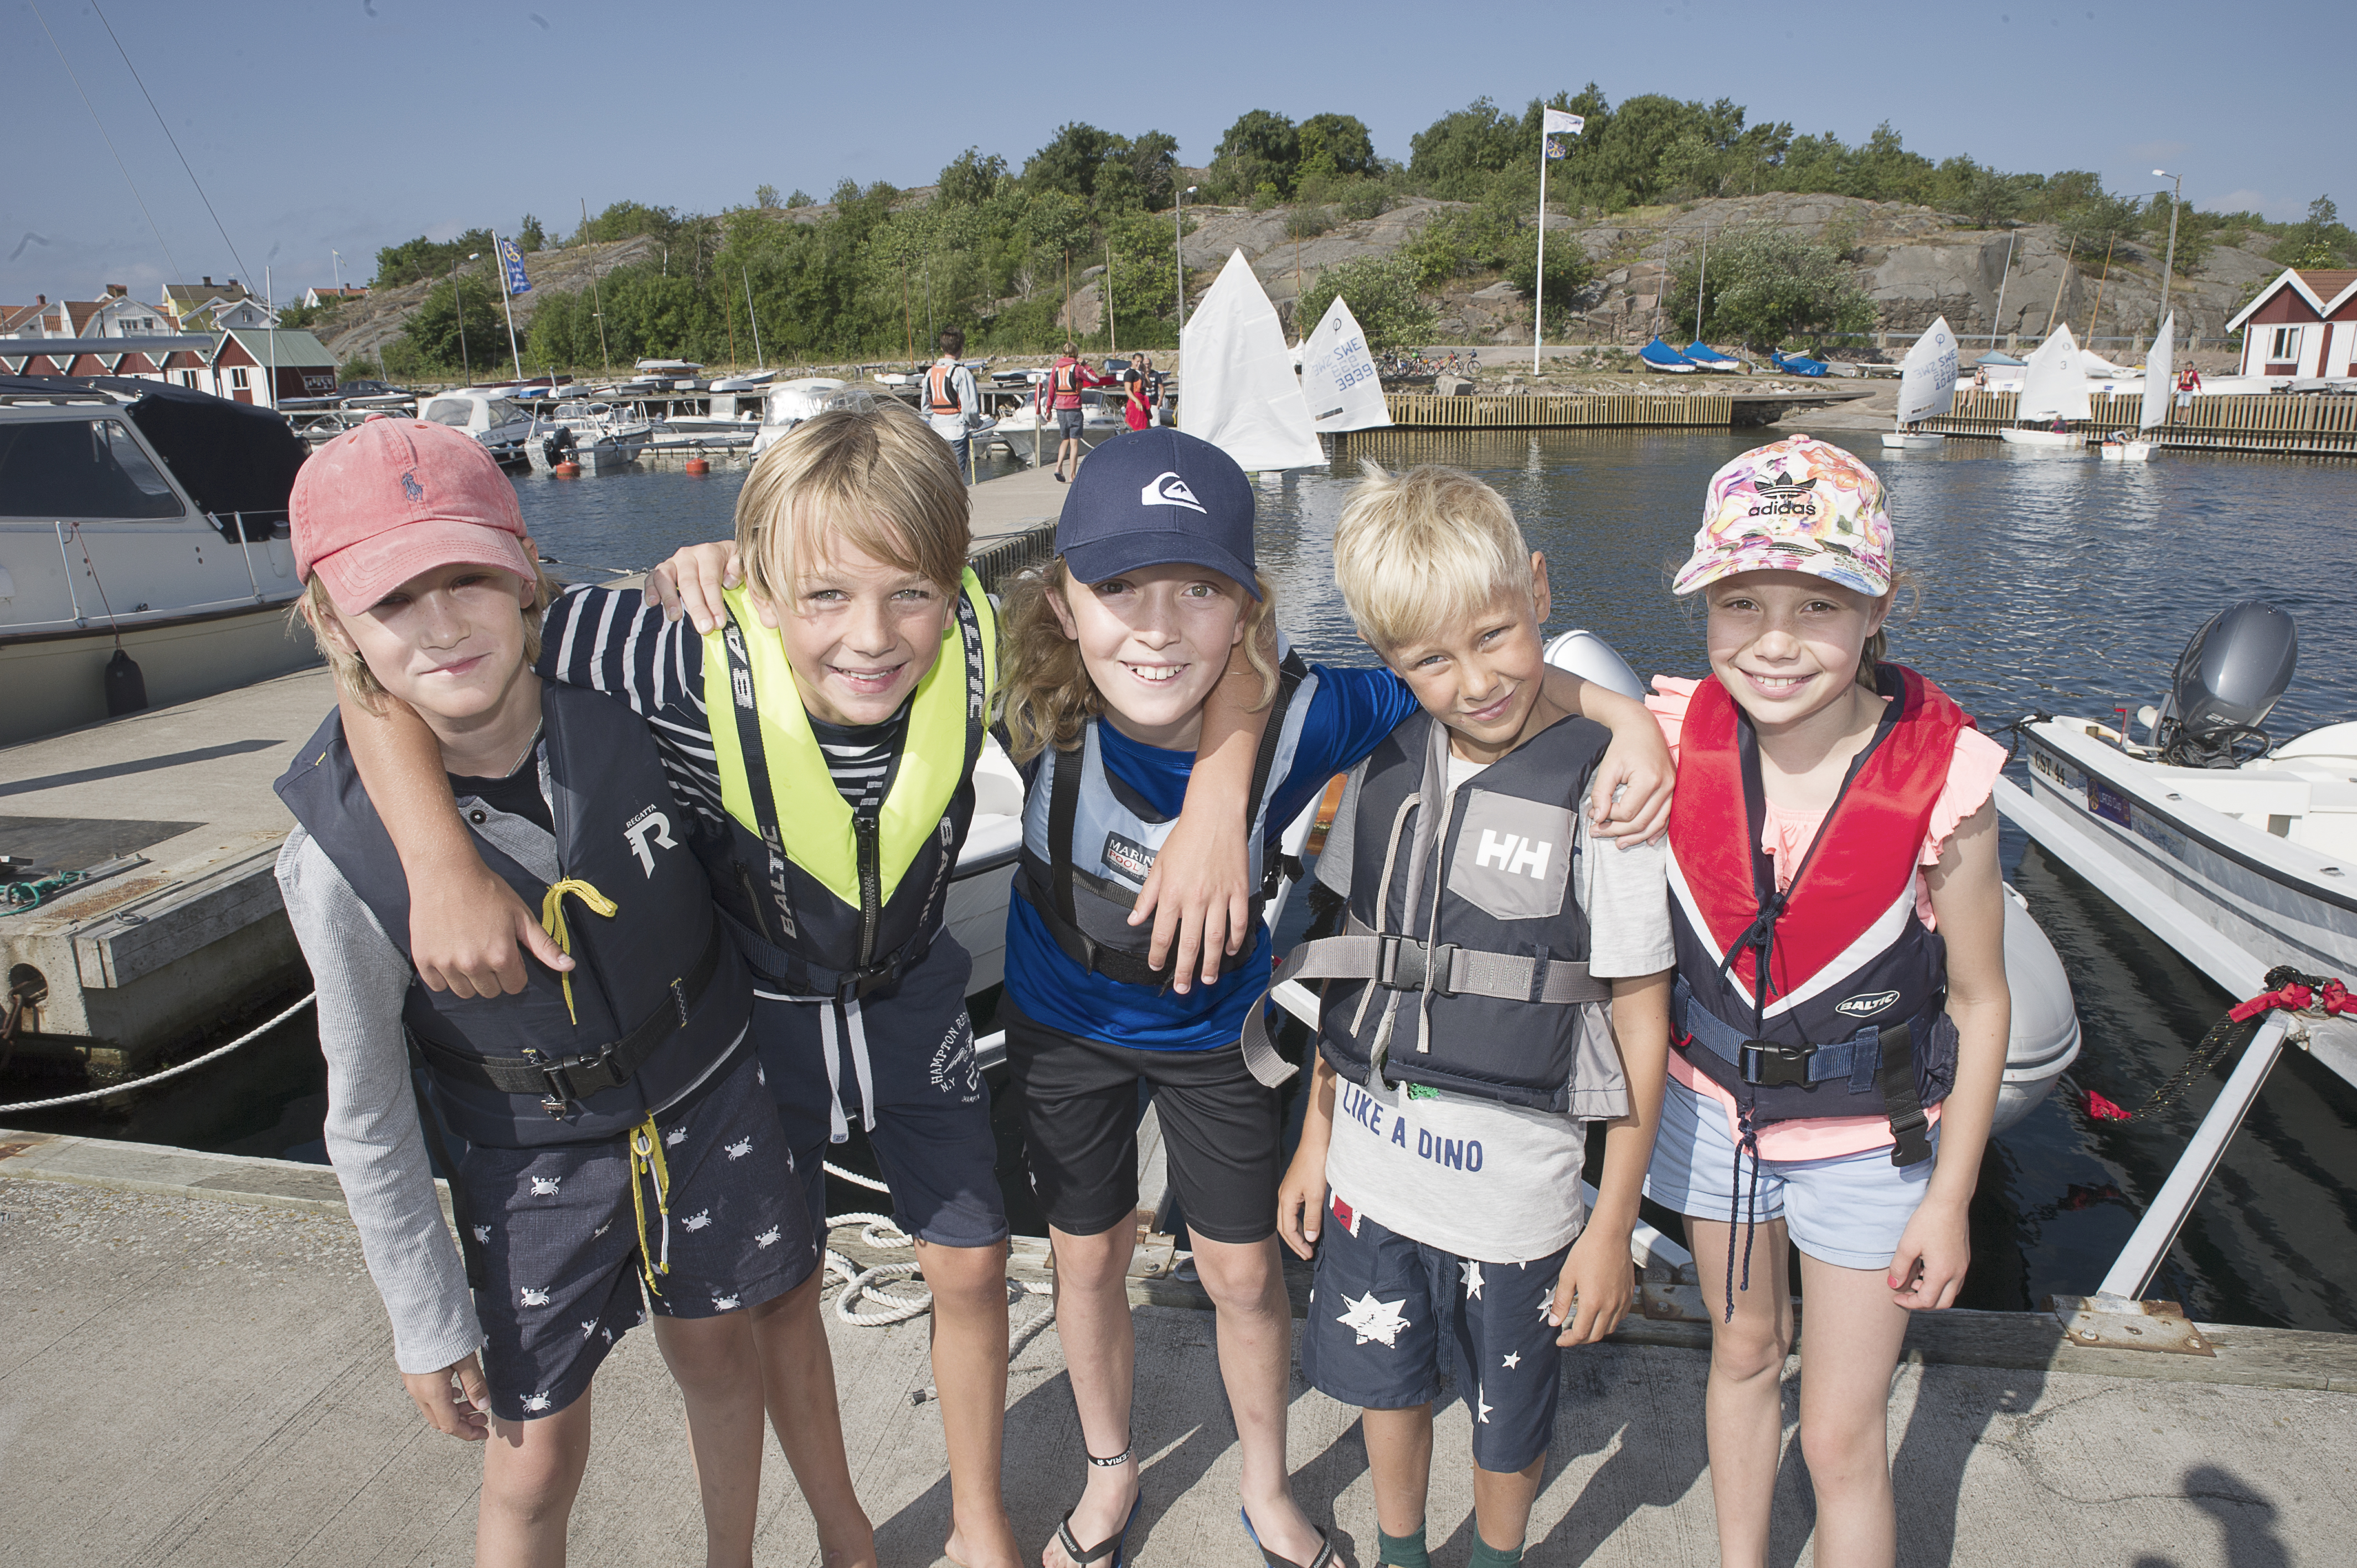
(2303, 324)
(244, 364)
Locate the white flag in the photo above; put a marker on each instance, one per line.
(1562, 120)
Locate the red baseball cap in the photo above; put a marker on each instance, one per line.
(378, 505)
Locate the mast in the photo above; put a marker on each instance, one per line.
(747, 274)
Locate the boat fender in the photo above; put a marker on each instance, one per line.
(126, 686)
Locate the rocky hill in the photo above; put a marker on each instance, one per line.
(362, 325)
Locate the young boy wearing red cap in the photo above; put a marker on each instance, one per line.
(608, 1121)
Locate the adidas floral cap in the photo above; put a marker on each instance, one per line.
(1795, 505)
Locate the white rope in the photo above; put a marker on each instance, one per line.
(168, 1072)
(870, 1183)
(897, 1305)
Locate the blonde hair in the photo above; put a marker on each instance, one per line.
(318, 611)
(1049, 696)
(1878, 646)
(878, 477)
(1422, 550)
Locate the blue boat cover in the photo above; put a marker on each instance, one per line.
(1659, 353)
(1702, 353)
(1798, 365)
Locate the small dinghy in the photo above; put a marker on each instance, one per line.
(1660, 356)
(1927, 388)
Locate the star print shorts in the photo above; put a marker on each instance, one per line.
(554, 1236)
(1389, 1318)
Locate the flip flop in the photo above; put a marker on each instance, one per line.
(1325, 1557)
(1065, 1539)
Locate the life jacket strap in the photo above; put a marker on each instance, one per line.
(562, 1081)
(789, 973)
(1871, 1059)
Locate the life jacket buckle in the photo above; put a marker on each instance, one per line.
(860, 984)
(1407, 964)
(1770, 1064)
(563, 1091)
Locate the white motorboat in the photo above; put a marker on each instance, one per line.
(2053, 388)
(496, 420)
(750, 380)
(2120, 450)
(2240, 852)
(2045, 1038)
(1927, 387)
(596, 435)
(144, 551)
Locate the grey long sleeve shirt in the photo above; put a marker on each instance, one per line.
(372, 1136)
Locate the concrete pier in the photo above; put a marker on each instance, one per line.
(198, 1373)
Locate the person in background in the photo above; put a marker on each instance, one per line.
(1136, 405)
(1061, 391)
(952, 403)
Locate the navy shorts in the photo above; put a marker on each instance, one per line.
(1220, 1131)
(931, 1122)
(1070, 421)
(1388, 1317)
(556, 1238)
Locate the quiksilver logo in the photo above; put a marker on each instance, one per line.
(1867, 1003)
(1167, 489)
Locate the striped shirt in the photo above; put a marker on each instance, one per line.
(608, 640)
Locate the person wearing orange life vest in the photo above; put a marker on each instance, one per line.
(952, 403)
(1062, 390)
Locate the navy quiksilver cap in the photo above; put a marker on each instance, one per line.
(1152, 497)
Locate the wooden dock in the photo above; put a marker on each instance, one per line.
(2297, 424)
(1724, 406)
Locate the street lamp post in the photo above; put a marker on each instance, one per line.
(1179, 249)
(458, 304)
(2170, 266)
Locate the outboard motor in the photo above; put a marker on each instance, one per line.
(2228, 679)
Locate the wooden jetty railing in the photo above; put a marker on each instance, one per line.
(1575, 410)
(2319, 425)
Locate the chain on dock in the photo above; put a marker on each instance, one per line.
(2288, 989)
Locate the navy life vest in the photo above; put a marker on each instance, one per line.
(658, 996)
(1465, 938)
(1089, 840)
(1851, 1019)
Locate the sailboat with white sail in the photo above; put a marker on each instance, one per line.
(1242, 394)
(2053, 392)
(1338, 376)
(2159, 372)
(1927, 386)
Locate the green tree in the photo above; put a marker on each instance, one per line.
(1381, 292)
(1337, 144)
(1259, 156)
(971, 178)
(1767, 287)
(425, 258)
(1455, 157)
(434, 331)
(529, 236)
(628, 220)
(2320, 240)
(800, 197)
(1070, 162)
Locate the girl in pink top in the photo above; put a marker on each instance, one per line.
(1841, 1013)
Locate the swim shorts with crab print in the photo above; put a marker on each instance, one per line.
(554, 1238)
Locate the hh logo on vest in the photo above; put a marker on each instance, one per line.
(649, 824)
(1513, 856)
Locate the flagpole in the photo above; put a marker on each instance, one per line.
(507, 298)
(1538, 283)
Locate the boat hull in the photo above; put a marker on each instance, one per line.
(2277, 901)
(2127, 451)
(2043, 440)
(59, 682)
(1897, 443)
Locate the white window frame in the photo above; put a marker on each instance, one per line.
(2285, 346)
(237, 381)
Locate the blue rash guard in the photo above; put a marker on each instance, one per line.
(1351, 713)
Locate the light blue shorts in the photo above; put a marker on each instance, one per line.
(1848, 1211)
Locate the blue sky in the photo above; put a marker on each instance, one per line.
(348, 124)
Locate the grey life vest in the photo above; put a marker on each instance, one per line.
(659, 994)
(1089, 840)
(1465, 953)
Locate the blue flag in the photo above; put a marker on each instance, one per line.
(1553, 148)
(512, 260)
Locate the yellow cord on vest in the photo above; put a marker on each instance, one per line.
(647, 1163)
(552, 920)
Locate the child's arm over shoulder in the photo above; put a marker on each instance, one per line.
(372, 1130)
(468, 930)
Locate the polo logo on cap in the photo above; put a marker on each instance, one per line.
(411, 488)
(1167, 488)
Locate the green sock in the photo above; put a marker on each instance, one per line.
(1488, 1556)
(1401, 1550)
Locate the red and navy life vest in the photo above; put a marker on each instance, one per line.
(1829, 998)
(941, 390)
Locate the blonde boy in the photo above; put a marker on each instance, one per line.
(1501, 984)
